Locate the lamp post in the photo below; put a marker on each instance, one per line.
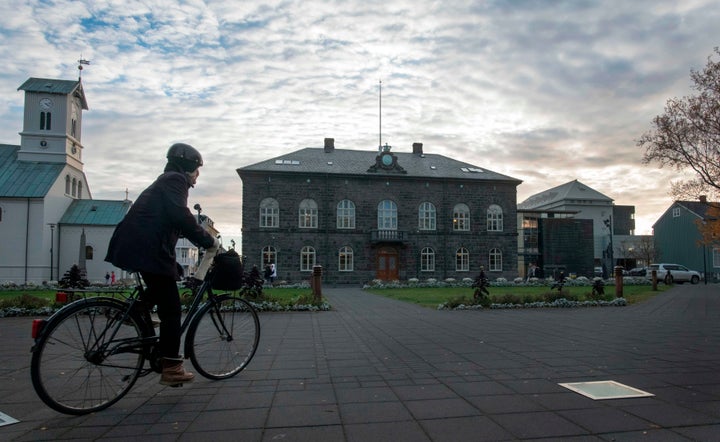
(52, 254)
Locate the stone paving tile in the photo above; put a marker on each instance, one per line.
(371, 412)
(605, 419)
(374, 369)
(329, 433)
(407, 431)
(303, 415)
(475, 428)
(441, 408)
(539, 424)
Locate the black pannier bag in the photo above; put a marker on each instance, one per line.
(227, 271)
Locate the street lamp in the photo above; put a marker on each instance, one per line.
(52, 254)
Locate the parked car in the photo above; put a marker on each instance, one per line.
(598, 272)
(669, 273)
(638, 271)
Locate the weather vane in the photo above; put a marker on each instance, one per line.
(81, 62)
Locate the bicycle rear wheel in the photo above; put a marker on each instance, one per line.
(223, 337)
(85, 359)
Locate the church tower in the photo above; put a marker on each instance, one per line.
(53, 121)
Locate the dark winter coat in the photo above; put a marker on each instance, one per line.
(145, 239)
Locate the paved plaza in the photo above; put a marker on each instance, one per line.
(375, 369)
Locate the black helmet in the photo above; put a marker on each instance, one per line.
(185, 156)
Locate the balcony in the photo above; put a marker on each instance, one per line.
(377, 236)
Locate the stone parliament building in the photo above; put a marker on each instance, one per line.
(378, 214)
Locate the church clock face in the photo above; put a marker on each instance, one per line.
(46, 104)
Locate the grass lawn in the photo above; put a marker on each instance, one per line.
(432, 297)
(427, 297)
(11, 298)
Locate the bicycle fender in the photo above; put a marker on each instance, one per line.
(54, 318)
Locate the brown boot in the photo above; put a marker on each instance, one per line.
(173, 373)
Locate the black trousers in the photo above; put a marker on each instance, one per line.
(162, 291)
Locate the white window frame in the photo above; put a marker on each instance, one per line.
(346, 215)
(461, 218)
(462, 260)
(268, 256)
(494, 218)
(346, 259)
(307, 259)
(387, 215)
(495, 260)
(427, 216)
(427, 260)
(308, 214)
(269, 213)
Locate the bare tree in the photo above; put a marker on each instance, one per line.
(687, 136)
(643, 250)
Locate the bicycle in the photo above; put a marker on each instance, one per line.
(89, 354)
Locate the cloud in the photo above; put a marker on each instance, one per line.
(546, 92)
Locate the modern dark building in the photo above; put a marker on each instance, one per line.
(365, 215)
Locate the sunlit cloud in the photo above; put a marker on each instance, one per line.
(545, 92)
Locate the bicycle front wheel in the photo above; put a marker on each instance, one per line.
(87, 357)
(223, 337)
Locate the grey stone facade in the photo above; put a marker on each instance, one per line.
(328, 176)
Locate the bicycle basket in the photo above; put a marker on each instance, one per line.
(227, 271)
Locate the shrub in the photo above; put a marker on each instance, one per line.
(552, 296)
(25, 301)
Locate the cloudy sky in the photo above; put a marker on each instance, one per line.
(543, 91)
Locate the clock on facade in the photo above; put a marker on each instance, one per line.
(387, 159)
(46, 103)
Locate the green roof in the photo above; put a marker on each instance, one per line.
(52, 86)
(95, 212)
(21, 179)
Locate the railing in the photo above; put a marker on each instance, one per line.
(388, 235)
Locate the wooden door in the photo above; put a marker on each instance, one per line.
(387, 265)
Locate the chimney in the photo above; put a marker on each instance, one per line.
(703, 198)
(329, 144)
(417, 148)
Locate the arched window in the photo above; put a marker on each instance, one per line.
(461, 218)
(495, 260)
(346, 215)
(80, 187)
(345, 259)
(427, 216)
(89, 252)
(67, 184)
(494, 219)
(307, 259)
(45, 121)
(427, 260)
(308, 214)
(269, 213)
(74, 187)
(387, 215)
(462, 260)
(269, 256)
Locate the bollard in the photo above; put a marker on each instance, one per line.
(316, 283)
(654, 280)
(618, 282)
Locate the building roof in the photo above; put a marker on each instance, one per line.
(357, 162)
(52, 86)
(574, 190)
(95, 212)
(22, 179)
